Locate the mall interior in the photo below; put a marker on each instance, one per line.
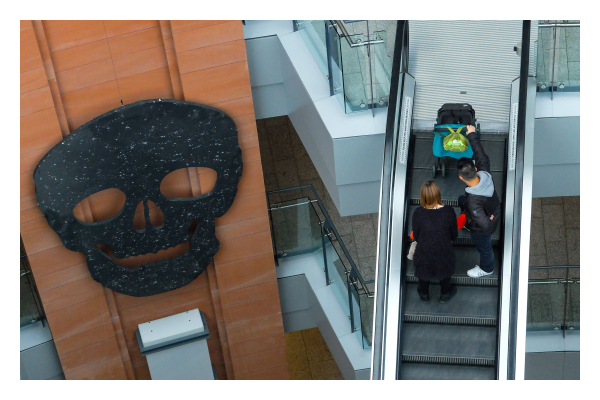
(333, 124)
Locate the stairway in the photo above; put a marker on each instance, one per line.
(458, 339)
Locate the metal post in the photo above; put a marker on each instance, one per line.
(323, 233)
(329, 55)
(349, 282)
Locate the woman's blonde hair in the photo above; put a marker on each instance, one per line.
(430, 194)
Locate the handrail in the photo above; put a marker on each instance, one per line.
(346, 35)
(382, 274)
(333, 228)
(518, 203)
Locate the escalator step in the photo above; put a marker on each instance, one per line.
(470, 306)
(493, 144)
(450, 187)
(449, 344)
(466, 258)
(420, 371)
(464, 237)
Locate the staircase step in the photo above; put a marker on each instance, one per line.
(466, 258)
(449, 344)
(450, 187)
(421, 371)
(493, 144)
(464, 237)
(471, 305)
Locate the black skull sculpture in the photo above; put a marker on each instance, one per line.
(132, 148)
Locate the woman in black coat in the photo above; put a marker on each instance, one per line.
(434, 230)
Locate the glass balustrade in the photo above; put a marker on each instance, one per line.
(31, 305)
(357, 65)
(301, 226)
(553, 304)
(557, 56)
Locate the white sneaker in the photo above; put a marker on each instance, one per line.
(411, 251)
(477, 272)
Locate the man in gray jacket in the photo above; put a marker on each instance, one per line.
(480, 204)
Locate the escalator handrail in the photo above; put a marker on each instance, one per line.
(399, 66)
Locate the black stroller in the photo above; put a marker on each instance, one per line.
(451, 118)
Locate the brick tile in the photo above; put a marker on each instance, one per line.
(243, 228)
(236, 107)
(244, 247)
(53, 260)
(252, 179)
(148, 85)
(248, 294)
(94, 353)
(115, 28)
(244, 208)
(257, 328)
(70, 294)
(62, 277)
(83, 105)
(38, 236)
(249, 142)
(74, 57)
(31, 214)
(39, 130)
(211, 56)
(242, 349)
(136, 41)
(84, 339)
(85, 76)
(247, 272)
(141, 61)
(26, 184)
(36, 100)
(251, 310)
(109, 369)
(79, 318)
(251, 155)
(260, 361)
(246, 125)
(25, 24)
(207, 36)
(216, 85)
(33, 79)
(30, 52)
(181, 26)
(62, 35)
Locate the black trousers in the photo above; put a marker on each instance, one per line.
(444, 284)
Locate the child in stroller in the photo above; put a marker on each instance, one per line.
(452, 118)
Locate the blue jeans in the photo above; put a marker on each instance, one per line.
(483, 244)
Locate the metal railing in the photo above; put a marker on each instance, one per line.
(553, 303)
(356, 66)
(301, 226)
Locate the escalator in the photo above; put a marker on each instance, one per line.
(476, 334)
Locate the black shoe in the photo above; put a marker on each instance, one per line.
(445, 297)
(423, 296)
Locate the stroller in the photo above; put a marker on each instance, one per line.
(451, 118)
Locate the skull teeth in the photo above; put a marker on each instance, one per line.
(148, 258)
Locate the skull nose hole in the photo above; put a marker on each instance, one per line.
(192, 228)
(151, 213)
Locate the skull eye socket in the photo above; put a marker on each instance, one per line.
(176, 185)
(100, 206)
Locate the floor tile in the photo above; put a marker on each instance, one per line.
(538, 273)
(573, 246)
(536, 207)
(572, 211)
(556, 252)
(325, 370)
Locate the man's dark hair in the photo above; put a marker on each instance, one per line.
(466, 169)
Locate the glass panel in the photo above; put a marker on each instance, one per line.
(313, 33)
(573, 306)
(568, 66)
(337, 275)
(356, 310)
(356, 74)
(558, 58)
(545, 303)
(382, 69)
(367, 305)
(544, 56)
(336, 65)
(296, 228)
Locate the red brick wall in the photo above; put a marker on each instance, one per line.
(73, 71)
